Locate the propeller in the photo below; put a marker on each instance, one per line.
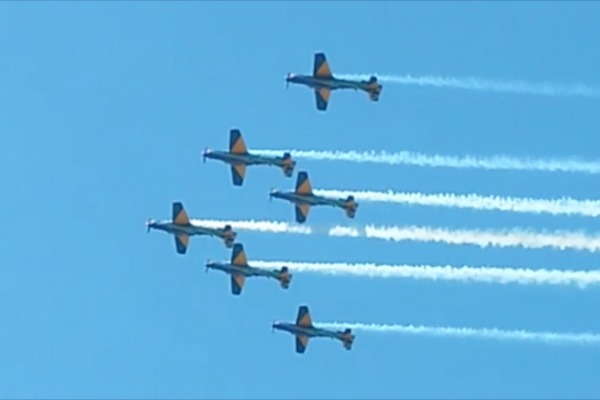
(287, 79)
(204, 155)
(148, 225)
(207, 262)
(271, 194)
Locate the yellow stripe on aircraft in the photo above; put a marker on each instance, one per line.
(239, 147)
(239, 280)
(305, 320)
(184, 239)
(240, 259)
(324, 71)
(305, 187)
(304, 209)
(325, 94)
(240, 169)
(182, 218)
(303, 339)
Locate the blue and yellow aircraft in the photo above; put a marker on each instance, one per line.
(323, 82)
(181, 227)
(303, 198)
(239, 269)
(239, 157)
(303, 329)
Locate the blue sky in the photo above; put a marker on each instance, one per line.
(105, 109)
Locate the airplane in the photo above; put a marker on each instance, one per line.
(303, 329)
(181, 227)
(323, 82)
(239, 269)
(239, 158)
(303, 198)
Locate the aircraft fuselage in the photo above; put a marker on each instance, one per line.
(190, 230)
(247, 159)
(307, 331)
(246, 270)
(329, 83)
(308, 199)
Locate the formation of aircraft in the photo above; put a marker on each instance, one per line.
(239, 158)
(303, 198)
(323, 82)
(304, 329)
(239, 270)
(181, 227)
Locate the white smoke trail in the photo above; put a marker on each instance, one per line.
(497, 162)
(464, 332)
(482, 238)
(471, 83)
(523, 276)
(561, 206)
(252, 225)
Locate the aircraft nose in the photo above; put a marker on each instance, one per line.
(272, 193)
(205, 153)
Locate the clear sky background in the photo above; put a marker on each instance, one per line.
(105, 109)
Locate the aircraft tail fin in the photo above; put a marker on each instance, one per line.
(350, 206)
(229, 236)
(374, 88)
(287, 164)
(347, 339)
(285, 277)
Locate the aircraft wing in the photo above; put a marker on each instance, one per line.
(303, 185)
(302, 212)
(179, 214)
(301, 343)
(238, 256)
(238, 172)
(237, 283)
(181, 242)
(236, 142)
(322, 98)
(303, 319)
(321, 67)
